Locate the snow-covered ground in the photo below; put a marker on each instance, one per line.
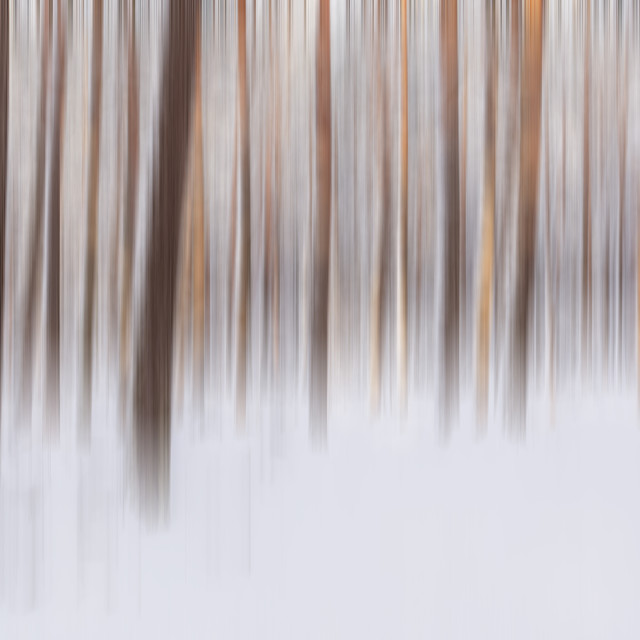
(390, 532)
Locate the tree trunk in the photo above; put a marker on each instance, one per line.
(130, 203)
(245, 220)
(53, 284)
(449, 27)
(92, 220)
(380, 274)
(232, 248)
(319, 319)
(152, 387)
(586, 204)
(530, 100)
(199, 236)
(34, 278)
(623, 93)
(488, 221)
(402, 223)
(506, 214)
(4, 117)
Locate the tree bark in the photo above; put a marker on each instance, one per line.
(402, 222)
(449, 31)
(319, 331)
(4, 118)
(152, 387)
(488, 222)
(130, 202)
(586, 204)
(199, 236)
(381, 247)
(34, 278)
(530, 105)
(53, 284)
(245, 220)
(92, 220)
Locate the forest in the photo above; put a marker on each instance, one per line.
(234, 230)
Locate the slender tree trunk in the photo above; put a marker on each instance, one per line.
(199, 236)
(319, 319)
(53, 284)
(623, 93)
(449, 31)
(4, 117)
(232, 248)
(152, 387)
(488, 221)
(268, 203)
(115, 244)
(34, 278)
(381, 245)
(402, 222)
(92, 220)
(463, 201)
(506, 214)
(245, 220)
(130, 202)
(530, 102)
(586, 201)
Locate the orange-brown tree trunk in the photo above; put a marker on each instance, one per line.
(488, 221)
(319, 318)
(530, 107)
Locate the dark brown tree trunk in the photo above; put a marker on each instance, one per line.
(320, 316)
(53, 284)
(449, 31)
(530, 103)
(152, 387)
(34, 278)
(130, 199)
(92, 221)
(245, 220)
(199, 237)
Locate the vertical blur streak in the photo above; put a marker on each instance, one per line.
(244, 274)
(488, 217)
(451, 281)
(130, 201)
(4, 117)
(530, 101)
(92, 222)
(152, 387)
(320, 293)
(403, 221)
(34, 256)
(53, 282)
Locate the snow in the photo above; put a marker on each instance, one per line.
(389, 532)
